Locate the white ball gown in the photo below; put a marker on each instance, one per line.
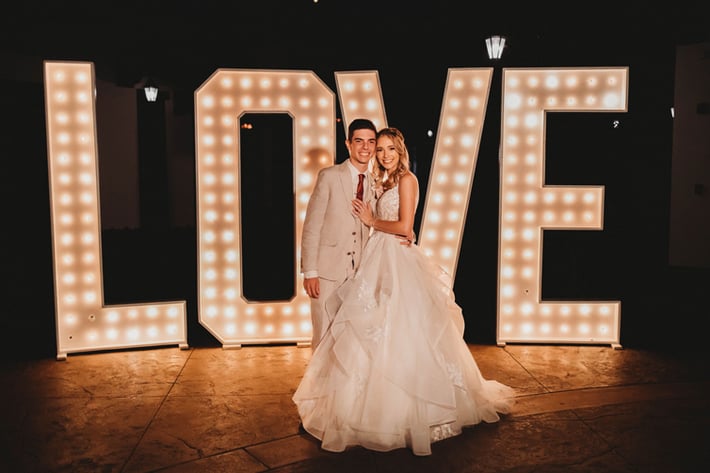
(393, 369)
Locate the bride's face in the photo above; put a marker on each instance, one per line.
(386, 153)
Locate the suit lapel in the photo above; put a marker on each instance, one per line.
(346, 181)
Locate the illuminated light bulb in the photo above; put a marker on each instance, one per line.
(305, 326)
(227, 236)
(69, 278)
(227, 140)
(208, 101)
(513, 100)
(532, 120)
(210, 274)
(453, 216)
(231, 256)
(564, 310)
(529, 234)
(545, 328)
(228, 197)
(230, 294)
(526, 328)
(212, 311)
(287, 329)
(230, 312)
(250, 328)
(228, 178)
(508, 234)
(87, 258)
(230, 329)
(269, 328)
(89, 297)
(228, 217)
(210, 293)
(446, 252)
(246, 101)
(208, 236)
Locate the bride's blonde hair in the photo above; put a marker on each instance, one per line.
(381, 178)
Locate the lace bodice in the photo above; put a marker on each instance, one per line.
(388, 205)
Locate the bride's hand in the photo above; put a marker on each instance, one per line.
(362, 211)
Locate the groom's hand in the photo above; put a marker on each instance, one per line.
(312, 287)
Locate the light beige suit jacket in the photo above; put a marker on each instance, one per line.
(332, 240)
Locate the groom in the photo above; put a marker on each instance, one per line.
(333, 239)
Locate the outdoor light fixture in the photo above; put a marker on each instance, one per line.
(495, 45)
(151, 90)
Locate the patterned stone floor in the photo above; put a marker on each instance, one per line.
(209, 409)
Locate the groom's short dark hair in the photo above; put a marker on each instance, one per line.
(360, 124)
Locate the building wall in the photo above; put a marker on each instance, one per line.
(689, 234)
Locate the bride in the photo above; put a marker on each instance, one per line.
(393, 369)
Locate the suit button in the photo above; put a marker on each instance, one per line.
(349, 253)
(353, 233)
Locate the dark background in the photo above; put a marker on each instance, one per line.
(411, 46)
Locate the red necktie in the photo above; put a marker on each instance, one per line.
(358, 192)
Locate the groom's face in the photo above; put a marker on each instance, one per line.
(361, 147)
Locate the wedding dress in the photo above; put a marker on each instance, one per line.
(393, 369)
